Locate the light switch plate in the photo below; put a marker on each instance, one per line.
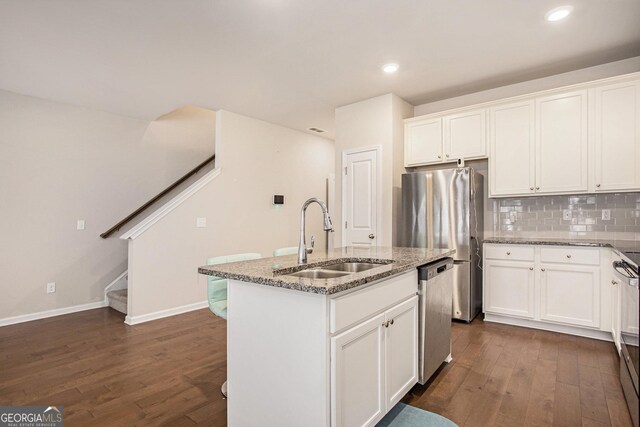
(201, 222)
(51, 287)
(606, 214)
(80, 224)
(566, 214)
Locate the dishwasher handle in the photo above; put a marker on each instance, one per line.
(624, 270)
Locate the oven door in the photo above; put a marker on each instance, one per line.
(629, 297)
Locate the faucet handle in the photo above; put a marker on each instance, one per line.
(313, 242)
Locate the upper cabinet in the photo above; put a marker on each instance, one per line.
(423, 142)
(465, 135)
(539, 146)
(561, 143)
(616, 136)
(445, 138)
(512, 152)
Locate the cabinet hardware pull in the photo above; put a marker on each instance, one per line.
(598, 185)
(386, 324)
(613, 282)
(508, 253)
(392, 321)
(537, 188)
(531, 188)
(447, 156)
(569, 256)
(439, 157)
(531, 268)
(542, 269)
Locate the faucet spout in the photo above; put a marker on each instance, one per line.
(302, 246)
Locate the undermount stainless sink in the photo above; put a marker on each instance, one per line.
(351, 267)
(316, 273)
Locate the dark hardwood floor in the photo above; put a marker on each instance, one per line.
(169, 372)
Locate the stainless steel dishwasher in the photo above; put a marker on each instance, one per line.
(435, 290)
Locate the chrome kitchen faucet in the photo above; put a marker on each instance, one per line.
(302, 247)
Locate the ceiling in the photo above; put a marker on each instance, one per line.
(292, 62)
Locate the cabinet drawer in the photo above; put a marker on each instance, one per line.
(570, 255)
(351, 308)
(509, 252)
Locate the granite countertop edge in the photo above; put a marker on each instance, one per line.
(279, 279)
(624, 246)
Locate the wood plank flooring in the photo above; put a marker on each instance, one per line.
(168, 372)
(508, 376)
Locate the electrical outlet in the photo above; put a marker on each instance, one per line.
(80, 224)
(201, 222)
(513, 216)
(606, 214)
(566, 214)
(51, 287)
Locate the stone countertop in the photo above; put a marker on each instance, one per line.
(272, 271)
(627, 247)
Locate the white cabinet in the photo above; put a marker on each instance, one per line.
(559, 288)
(512, 149)
(561, 143)
(445, 138)
(509, 288)
(357, 358)
(423, 142)
(570, 294)
(465, 135)
(401, 347)
(373, 365)
(617, 137)
(539, 146)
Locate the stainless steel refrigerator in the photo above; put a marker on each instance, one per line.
(444, 209)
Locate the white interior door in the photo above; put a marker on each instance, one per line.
(360, 203)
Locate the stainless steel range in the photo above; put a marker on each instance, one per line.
(628, 274)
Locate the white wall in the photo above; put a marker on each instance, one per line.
(375, 121)
(60, 163)
(257, 160)
(573, 77)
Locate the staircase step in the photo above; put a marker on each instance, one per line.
(118, 300)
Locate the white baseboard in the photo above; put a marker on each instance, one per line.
(51, 313)
(136, 320)
(563, 329)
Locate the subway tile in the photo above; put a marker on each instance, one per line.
(614, 228)
(632, 228)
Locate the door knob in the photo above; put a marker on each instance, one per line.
(371, 236)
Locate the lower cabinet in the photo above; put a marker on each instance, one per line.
(551, 287)
(510, 288)
(373, 364)
(570, 294)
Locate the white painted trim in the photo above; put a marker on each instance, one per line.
(345, 153)
(135, 320)
(563, 329)
(51, 313)
(112, 284)
(171, 205)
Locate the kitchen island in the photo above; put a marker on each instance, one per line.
(336, 351)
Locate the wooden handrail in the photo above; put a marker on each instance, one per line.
(163, 193)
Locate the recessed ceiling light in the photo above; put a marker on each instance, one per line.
(390, 68)
(558, 13)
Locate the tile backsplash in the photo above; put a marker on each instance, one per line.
(568, 216)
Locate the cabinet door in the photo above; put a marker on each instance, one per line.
(357, 374)
(561, 143)
(570, 294)
(465, 135)
(401, 336)
(617, 137)
(512, 149)
(423, 142)
(509, 288)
